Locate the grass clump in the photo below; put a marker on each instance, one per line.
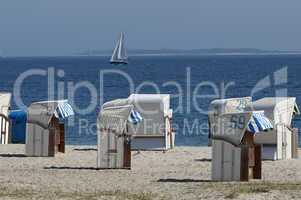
(234, 190)
(23, 193)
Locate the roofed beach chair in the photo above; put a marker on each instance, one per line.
(5, 100)
(114, 140)
(235, 155)
(45, 131)
(282, 141)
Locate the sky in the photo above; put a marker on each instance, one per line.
(66, 27)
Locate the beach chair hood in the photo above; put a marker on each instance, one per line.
(116, 103)
(149, 102)
(231, 127)
(280, 110)
(219, 113)
(42, 112)
(114, 116)
(229, 120)
(5, 99)
(222, 106)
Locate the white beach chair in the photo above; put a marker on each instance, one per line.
(45, 134)
(114, 142)
(155, 132)
(5, 100)
(113, 137)
(235, 156)
(282, 141)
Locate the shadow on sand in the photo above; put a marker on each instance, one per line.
(12, 155)
(82, 168)
(86, 149)
(173, 180)
(203, 160)
(72, 168)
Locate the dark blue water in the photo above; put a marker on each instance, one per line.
(170, 74)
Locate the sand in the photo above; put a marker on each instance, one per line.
(182, 173)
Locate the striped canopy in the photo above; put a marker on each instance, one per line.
(63, 110)
(135, 117)
(259, 122)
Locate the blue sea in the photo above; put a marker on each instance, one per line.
(193, 81)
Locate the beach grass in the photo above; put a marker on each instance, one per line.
(233, 190)
(230, 190)
(24, 193)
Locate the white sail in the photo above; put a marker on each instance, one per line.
(121, 51)
(119, 54)
(115, 53)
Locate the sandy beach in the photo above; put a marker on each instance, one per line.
(182, 173)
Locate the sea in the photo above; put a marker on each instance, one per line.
(193, 81)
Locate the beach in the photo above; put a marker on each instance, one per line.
(181, 173)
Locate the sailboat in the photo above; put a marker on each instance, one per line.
(119, 54)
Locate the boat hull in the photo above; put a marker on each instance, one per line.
(119, 62)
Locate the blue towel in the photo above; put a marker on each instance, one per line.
(135, 117)
(64, 110)
(18, 120)
(258, 123)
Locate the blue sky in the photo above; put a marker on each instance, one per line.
(63, 27)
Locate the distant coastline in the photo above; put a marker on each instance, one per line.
(167, 52)
(213, 51)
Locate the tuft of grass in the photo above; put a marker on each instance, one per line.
(233, 190)
(22, 193)
(19, 194)
(231, 195)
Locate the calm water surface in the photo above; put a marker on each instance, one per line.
(239, 73)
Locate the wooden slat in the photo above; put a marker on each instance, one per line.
(62, 138)
(29, 147)
(251, 156)
(51, 144)
(244, 164)
(236, 164)
(127, 153)
(4, 129)
(227, 161)
(170, 132)
(1, 131)
(217, 161)
(39, 141)
(295, 143)
(258, 163)
(279, 143)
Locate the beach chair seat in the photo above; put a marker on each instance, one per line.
(155, 132)
(282, 141)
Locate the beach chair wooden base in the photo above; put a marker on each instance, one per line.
(114, 152)
(295, 143)
(45, 142)
(4, 129)
(236, 163)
